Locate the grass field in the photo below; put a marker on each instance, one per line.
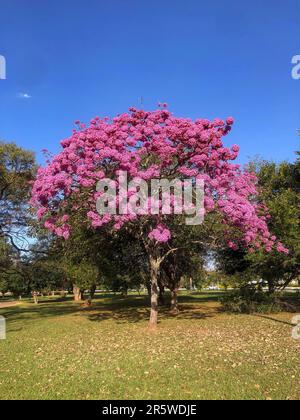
(60, 350)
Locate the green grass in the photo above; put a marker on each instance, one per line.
(60, 350)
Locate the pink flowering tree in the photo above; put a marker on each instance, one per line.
(150, 145)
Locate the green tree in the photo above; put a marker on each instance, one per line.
(280, 190)
(17, 170)
(123, 263)
(79, 259)
(279, 186)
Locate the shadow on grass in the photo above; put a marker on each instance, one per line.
(130, 309)
(195, 297)
(136, 315)
(270, 318)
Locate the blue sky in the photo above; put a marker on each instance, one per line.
(78, 59)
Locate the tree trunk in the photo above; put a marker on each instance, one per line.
(92, 291)
(161, 297)
(148, 287)
(174, 303)
(191, 284)
(271, 286)
(35, 298)
(154, 269)
(78, 294)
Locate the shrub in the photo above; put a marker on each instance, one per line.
(249, 300)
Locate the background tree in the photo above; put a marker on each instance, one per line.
(280, 190)
(123, 263)
(186, 262)
(11, 273)
(79, 257)
(17, 170)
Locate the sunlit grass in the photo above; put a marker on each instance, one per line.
(60, 350)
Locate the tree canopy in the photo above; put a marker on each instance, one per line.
(17, 171)
(151, 145)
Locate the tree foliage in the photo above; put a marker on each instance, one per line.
(150, 145)
(280, 189)
(17, 170)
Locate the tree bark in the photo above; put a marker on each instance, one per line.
(78, 294)
(35, 298)
(92, 291)
(174, 302)
(154, 269)
(271, 286)
(161, 297)
(148, 287)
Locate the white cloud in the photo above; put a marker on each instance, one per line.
(24, 95)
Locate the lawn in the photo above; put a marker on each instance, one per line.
(60, 350)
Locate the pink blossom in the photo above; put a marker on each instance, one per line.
(151, 144)
(160, 233)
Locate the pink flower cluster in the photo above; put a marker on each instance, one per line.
(146, 145)
(160, 233)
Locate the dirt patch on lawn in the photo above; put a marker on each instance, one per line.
(7, 304)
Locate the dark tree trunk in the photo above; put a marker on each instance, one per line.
(148, 286)
(271, 286)
(174, 302)
(92, 291)
(161, 297)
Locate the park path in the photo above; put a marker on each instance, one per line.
(7, 304)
